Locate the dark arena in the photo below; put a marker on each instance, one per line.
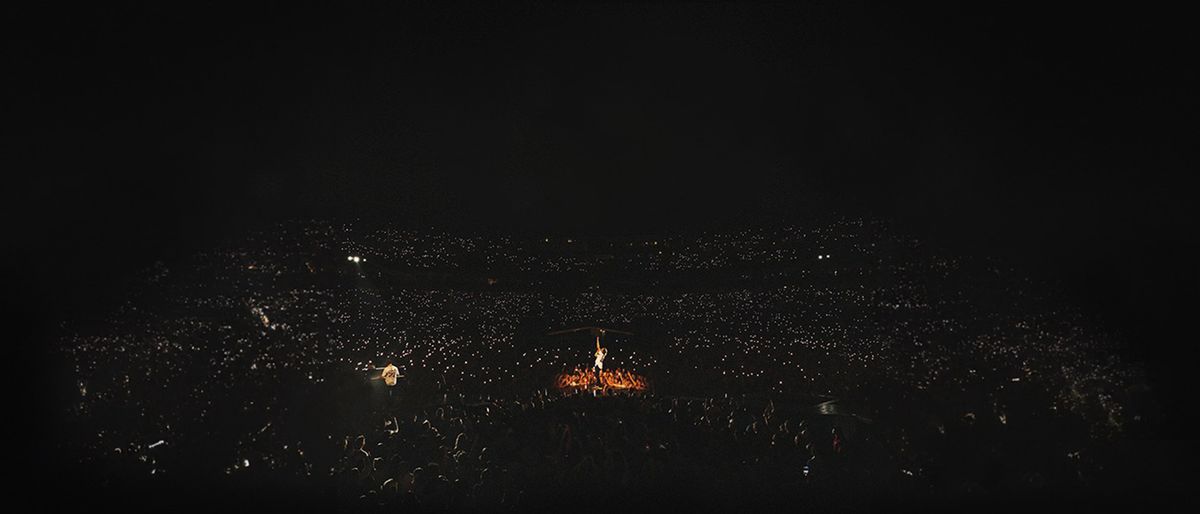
(600, 257)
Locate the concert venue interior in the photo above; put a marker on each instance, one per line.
(618, 257)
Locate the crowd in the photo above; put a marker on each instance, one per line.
(263, 357)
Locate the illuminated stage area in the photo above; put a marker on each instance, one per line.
(596, 378)
(601, 380)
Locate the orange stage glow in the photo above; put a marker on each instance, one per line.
(602, 380)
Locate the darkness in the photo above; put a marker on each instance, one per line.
(1053, 139)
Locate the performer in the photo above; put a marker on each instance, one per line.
(390, 374)
(600, 354)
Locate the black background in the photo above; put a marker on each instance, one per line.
(1055, 138)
